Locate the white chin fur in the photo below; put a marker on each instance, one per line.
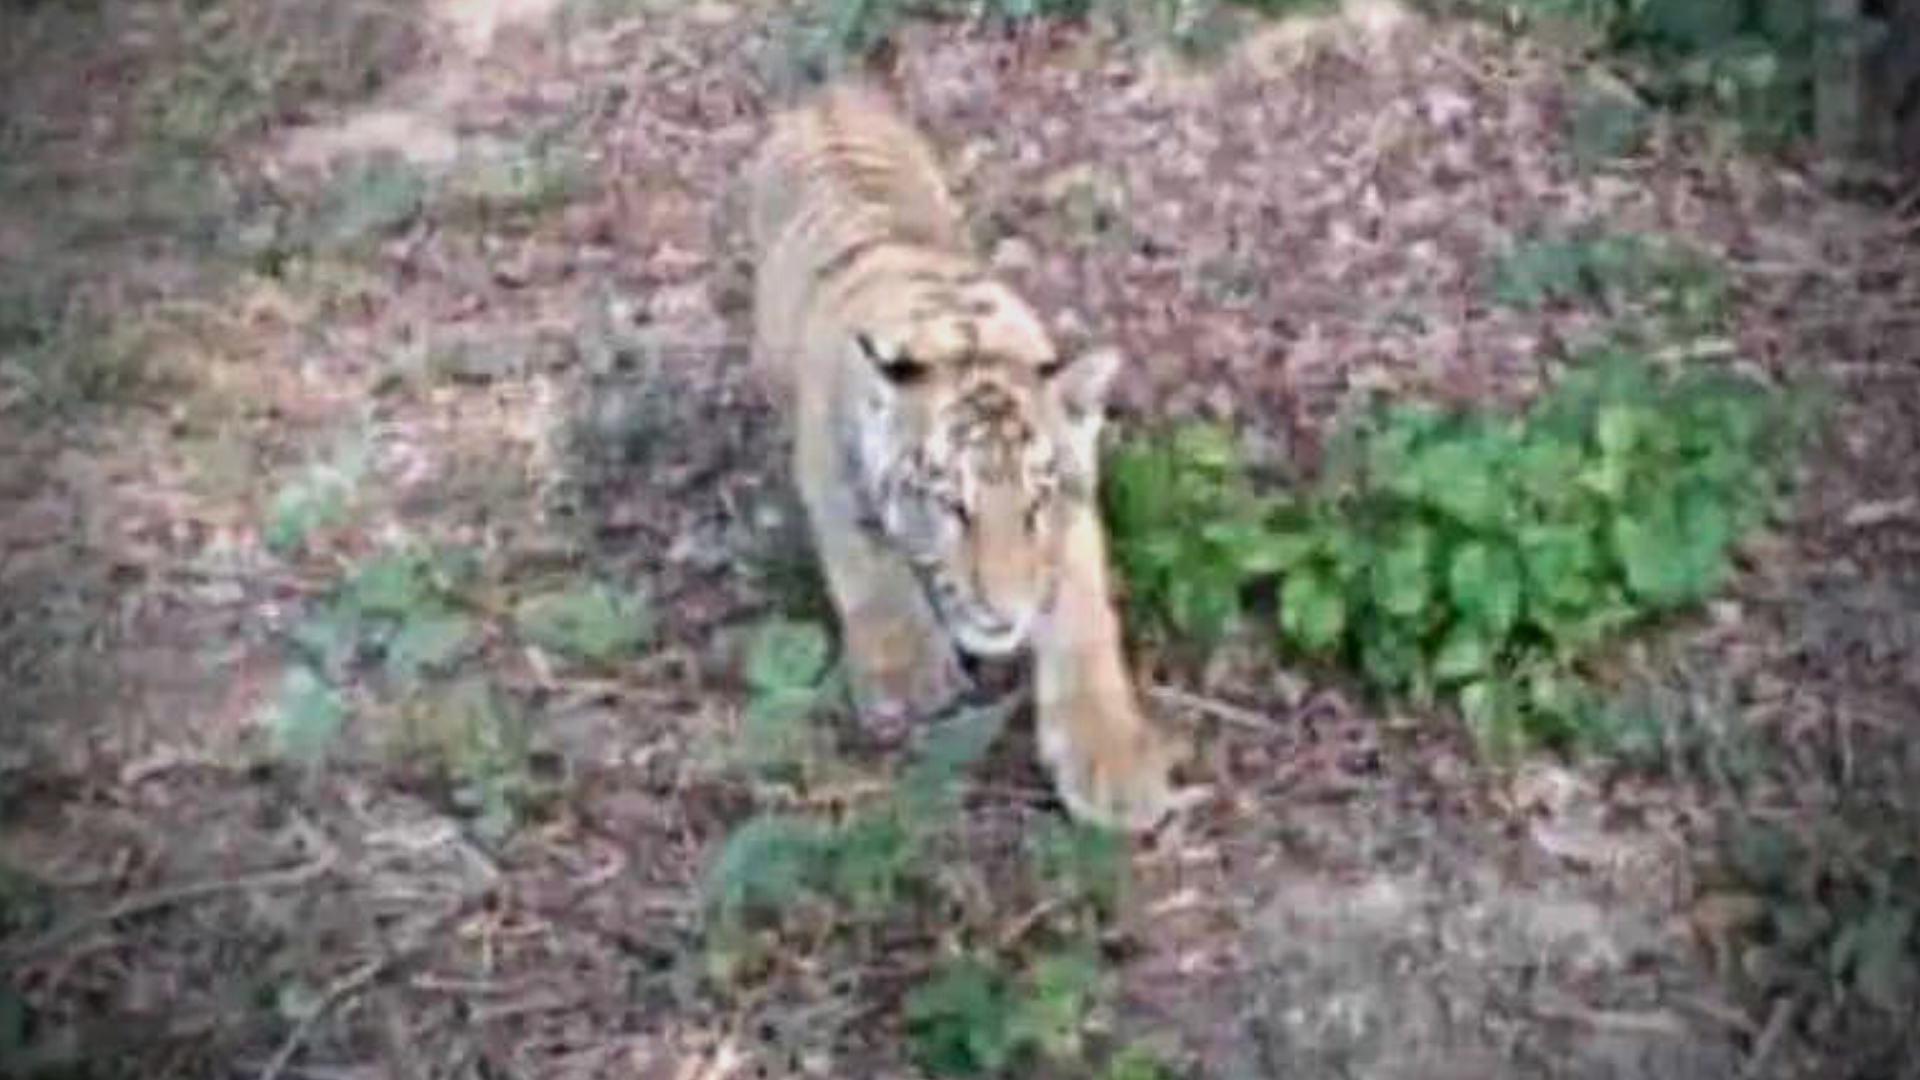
(990, 646)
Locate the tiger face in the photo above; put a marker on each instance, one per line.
(975, 447)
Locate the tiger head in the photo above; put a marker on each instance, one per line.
(976, 442)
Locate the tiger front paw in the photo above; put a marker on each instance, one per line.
(1109, 765)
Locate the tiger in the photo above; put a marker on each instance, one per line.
(944, 450)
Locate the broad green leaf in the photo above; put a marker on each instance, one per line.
(1605, 125)
(302, 508)
(378, 195)
(1312, 612)
(1207, 447)
(1630, 731)
(1546, 469)
(1672, 554)
(1137, 486)
(305, 716)
(1619, 429)
(1690, 26)
(1159, 551)
(1484, 584)
(777, 728)
(766, 862)
(1461, 479)
(1353, 556)
(1608, 477)
(327, 637)
(1253, 548)
(393, 583)
(590, 622)
(1536, 271)
(1560, 563)
(1389, 655)
(428, 640)
(1277, 552)
(1203, 599)
(1465, 653)
(1883, 958)
(1706, 525)
(786, 654)
(1493, 719)
(1403, 576)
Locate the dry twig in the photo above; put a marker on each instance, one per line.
(352, 983)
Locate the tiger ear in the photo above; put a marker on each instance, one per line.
(889, 359)
(1083, 382)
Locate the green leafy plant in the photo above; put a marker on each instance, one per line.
(514, 182)
(792, 876)
(398, 625)
(371, 197)
(1136, 1063)
(865, 856)
(1682, 288)
(1080, 864)
(961, 1020)
(1836, 918)
(1472, 555)
(482, 746)
(316, 500)
(590, 622)
(1190, 576)
(970, 1017)
(788, 673)
(304, 717)
(397, 608)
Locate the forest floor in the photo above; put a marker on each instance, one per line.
(314, 316)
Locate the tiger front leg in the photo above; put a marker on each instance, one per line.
(901, 664)
(1109, 764)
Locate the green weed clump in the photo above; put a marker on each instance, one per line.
(853, 885)
(1678, 290)
(1469, 555)
(1838, 908)
(397, 639)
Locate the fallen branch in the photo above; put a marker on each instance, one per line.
(166, 896)
(1219, 710)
